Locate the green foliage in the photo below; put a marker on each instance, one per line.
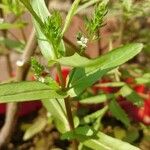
(97, 99)
(118, 112)
(131, 95)
(27, 4)
(12, 44)
(13, 6)
(145, 79)
(132, 135)
(105, 142)
(56, 107)
(80, 133)
(37, 126)
(53, 27)
(97, 141)
(27, 91)
(127, 4)
(85, 72)
(111, 84)
(93, 25)
(90, 70)
(51, 82)
(111, 59)
(5, 26)
(48, 29)
(37, 67)
(91, 118)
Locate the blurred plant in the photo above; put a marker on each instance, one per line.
(96, 22)
(74, 85)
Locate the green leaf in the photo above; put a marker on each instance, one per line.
(127, 4)
(97, 99)
(78, 133)
(36, 67)
(132, 135)
(45, 44)
(35, 128)
(111, 59)
(27, 4)
(110, 84)
(96, 21)
(85, 130)
(70, 15)
(6, 26)
(119, 132)
(41, 10)
(118, 112)
(27, 91)
(88, 71)
(105, 142)
(145, 79)
(56, 108)
(82, 79)
(131, 95)
(142, 80)
(12, 6)
(12, 44)
(93, 116)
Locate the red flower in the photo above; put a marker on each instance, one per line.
(129, 80)
(140, 88)
(65, 73)
(2, 108)
(25, 108)
(144, 112)
(139, 114)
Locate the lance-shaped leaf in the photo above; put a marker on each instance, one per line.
(111, 59)
(105, 142)
(56, 108)
(97, 140)
(131, 95)
(36, 127)
(118, 112)
(26, 91)
(93, 116)
(88, 71)
(80, 133)
(97, 99)
(82, 79)
(12, 44)
(6, 26)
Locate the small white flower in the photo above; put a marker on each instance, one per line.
(19, 63)
(82, 42)
(1, 20)
(49, 114)
(41, 79)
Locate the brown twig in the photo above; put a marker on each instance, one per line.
(22, 70)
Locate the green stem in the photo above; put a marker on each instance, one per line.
(67, 106)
